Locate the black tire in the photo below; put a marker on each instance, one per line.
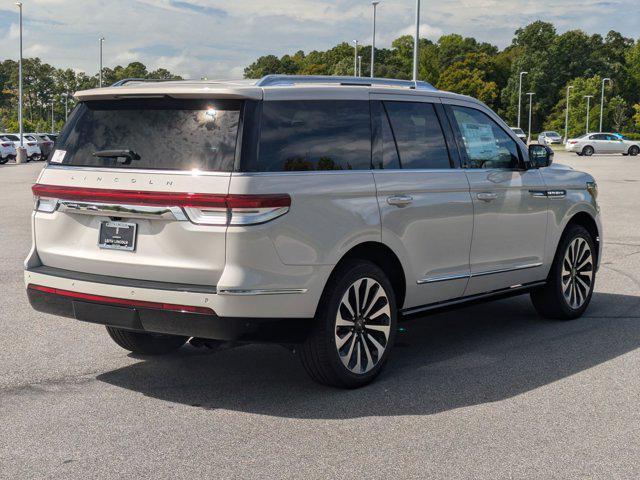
(634, 150)
(4, 160)
(550, 300)
(587, 151)
(320, 355)
(145, 343)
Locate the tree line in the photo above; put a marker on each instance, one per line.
(44, 85)
(453, 62)
(464, 65)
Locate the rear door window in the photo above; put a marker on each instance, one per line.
(164, 133)
(313, 135)
(418, 135)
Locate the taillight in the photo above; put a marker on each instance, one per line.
(6, 144)
(31, 144)
(200, 208)
(573, 142)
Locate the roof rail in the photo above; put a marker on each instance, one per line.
(284, 80)
(124, 81)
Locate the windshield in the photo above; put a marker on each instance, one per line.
(552, 134)
(160, 133)
(518, 131)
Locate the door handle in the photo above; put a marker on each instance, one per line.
(487, 196)
(399, 200)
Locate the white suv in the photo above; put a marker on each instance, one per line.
(317, 211)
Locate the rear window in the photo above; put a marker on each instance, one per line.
(313, 135)
(163, 133)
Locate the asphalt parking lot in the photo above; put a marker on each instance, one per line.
(489, 391)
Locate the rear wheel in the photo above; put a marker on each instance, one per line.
(145, 343)
(587, 151)
(4, 160)
(572, 277)
(634, 150)
(355, 327)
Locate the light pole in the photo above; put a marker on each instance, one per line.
(19, 5)
(416, 43)
(52, 115)
(101, 42)
(66, 106)
(566, 116)
(359, 65)
(373, 40)
(520, 97)
(355, 60)
(602, 100)
(531, 94)
(588, 97)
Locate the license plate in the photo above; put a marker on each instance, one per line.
(118, 236)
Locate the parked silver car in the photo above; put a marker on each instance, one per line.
(520, 134)
(601, 143)
(317, 211)
(550, 138)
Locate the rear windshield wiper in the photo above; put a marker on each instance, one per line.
(129, 155)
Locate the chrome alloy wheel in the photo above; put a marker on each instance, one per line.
(577, 273)
(363, 325)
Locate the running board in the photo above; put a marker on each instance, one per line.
(493, 295)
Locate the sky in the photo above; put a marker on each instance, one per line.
(218, 38)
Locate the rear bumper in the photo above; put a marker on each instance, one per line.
(157, 320)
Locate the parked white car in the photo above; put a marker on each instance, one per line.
(33, 151)
(549, 138)
(519, 133)
(7, 150)
(599, 143)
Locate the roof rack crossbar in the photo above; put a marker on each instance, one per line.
(124, 81)
(284, 80)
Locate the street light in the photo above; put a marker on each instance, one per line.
(566, 118)
(101, 42)
(373, 41)
(355, 60)
(602, 100)
(52, 115)
(520, 97)
(359, 65)
(416, 44)
(19, 5)
(531, 94)
(588, 97)
(66, 106)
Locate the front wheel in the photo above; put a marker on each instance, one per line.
(572, 277)
(145, 343)
(355, 327)
(634, 151)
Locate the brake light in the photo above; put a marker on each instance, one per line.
(31, 144)
(200, 208)
(573, 142)
(6, 144)
(125, 302)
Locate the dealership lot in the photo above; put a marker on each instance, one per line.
(490, 391)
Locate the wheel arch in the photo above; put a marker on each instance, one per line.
(585, 220)
(385, 258)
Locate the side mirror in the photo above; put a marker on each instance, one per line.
(540, 156)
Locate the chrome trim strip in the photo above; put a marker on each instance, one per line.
(505, 270)
(446, 278)
(122, 210)
(443, 278)
(260, 291)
